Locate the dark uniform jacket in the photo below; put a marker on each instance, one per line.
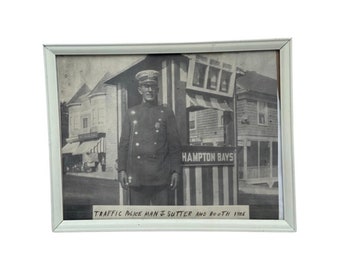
(149, 149)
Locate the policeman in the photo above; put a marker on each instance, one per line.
(149, 150)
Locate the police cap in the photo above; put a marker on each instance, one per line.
(147, 77)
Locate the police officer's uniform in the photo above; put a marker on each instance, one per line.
(149, 149)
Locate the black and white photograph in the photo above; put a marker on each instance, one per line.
(173, 135)
(184, 135)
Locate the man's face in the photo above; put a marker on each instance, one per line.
(149, 92)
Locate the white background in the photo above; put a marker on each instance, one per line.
(26, 239)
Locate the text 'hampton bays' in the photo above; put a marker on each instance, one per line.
(207, 157)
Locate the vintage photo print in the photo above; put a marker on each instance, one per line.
(192, 135)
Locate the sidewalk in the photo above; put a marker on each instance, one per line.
(257, 188)
(108, 175)
(243, 186)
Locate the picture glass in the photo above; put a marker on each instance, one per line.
(162, 136)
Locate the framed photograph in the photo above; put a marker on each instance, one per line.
(192, 136)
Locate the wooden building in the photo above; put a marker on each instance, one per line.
(257, 129)
(193, 86)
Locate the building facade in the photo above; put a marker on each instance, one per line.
(92, 142)
(257, 124)
(257, 128)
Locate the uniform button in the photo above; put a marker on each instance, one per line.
(157, 130)
(136, 132)
(155, 143)
(137, 144)
(138, 157)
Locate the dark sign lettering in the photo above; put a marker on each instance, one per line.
(203, 155)
(90, 136)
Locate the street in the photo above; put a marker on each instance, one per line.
(262, 200)
(80, 193)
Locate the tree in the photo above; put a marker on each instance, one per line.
(64, 122)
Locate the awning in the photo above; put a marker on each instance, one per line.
(94, 146)
(70, 148)
(99, 147)
(199, 101)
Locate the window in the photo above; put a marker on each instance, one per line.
(213, 78)
(192, 120)
(206, 127)
(209, 75)
(252, 155)
(264, 159)
(275, 151)
(74, 121)
(220, 118)
(85, 123)
(225, 79)
(101, 116)
(262, 113)
(261, 160)
(199, 75)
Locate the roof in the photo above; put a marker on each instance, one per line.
(253, 81)
(151, 61)
(100, 87)
(122, 73)
(83, 90)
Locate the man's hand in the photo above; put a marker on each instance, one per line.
(174, 180)
(123, 179)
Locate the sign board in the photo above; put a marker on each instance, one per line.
(90, 136)
(207, 155)
(174, 212)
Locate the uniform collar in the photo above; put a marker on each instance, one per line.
(149, 105)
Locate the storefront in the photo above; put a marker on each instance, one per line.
(91, 130)
(200, 90)
(84, 153)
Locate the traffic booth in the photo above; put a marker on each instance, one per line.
(200, 89)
